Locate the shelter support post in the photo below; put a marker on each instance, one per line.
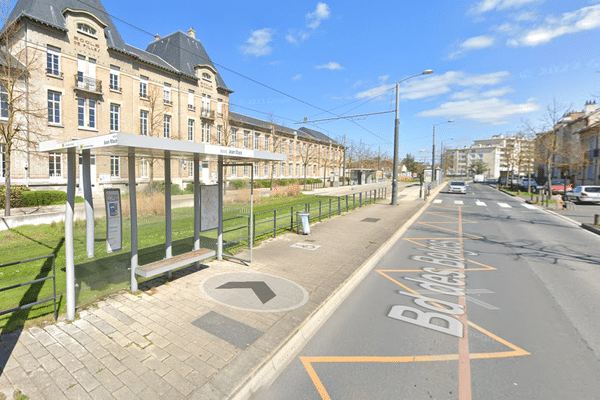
(168, 216)
(89, 203)
(220, 184)
(69, 251)
(133, 218)
(251, 220)
(197, 204)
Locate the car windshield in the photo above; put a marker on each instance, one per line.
(457, 183)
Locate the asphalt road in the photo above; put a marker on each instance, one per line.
(484, 297)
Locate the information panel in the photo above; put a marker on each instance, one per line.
(114, 220)
(209, 207)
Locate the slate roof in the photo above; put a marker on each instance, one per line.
(184, 52)
(302, 132)
(50, 13)
(178, 52)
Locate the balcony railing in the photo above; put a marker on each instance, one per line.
(191, 107)
(208, 114)
(88, 84)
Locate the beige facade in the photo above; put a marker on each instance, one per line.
(85, 85)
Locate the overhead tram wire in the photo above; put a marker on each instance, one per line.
(229, 69)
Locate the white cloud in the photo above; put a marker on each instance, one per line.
(332, 66)
(491, 5)
(490, 110)
(258, 43)
(584, 19)
(321, 13)
(297, 77)
(474, 43)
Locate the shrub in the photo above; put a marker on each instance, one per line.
(16, 195)
(237, 184)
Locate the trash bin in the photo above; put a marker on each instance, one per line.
(302, 221)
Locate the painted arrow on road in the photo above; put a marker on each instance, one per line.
(261, 289)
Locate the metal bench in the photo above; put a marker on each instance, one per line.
(169, 264)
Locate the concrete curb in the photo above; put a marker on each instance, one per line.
(288, 350)
(591, 228)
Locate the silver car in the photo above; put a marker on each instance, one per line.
(457, 187)
(584, 194)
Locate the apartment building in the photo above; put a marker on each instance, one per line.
(84, 81)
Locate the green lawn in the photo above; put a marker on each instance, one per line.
(106, 273)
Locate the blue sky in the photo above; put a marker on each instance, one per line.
(497, 63)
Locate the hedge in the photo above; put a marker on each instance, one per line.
(16, 195)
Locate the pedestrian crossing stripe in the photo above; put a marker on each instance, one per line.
(437, 201)
(480, 203)
(484, 204)
(504, 205)
(458, 202)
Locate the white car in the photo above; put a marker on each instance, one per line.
(584, 194)
(457, 187)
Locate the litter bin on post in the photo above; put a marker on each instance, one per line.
(302, 220)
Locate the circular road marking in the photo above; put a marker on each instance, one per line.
(254, 291)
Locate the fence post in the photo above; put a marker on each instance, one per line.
(339, 206)
(292, 219)
(274, 223)
(320, 210)
(254, 228)
(347, 203)
(353, 200)
(360, 199)
(329, 215)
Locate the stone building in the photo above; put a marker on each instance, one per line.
(84, 81)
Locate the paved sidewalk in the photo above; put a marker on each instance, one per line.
(178, 341)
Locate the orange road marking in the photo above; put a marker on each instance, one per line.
(464, 360)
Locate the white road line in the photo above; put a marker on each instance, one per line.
(480, 203)
(481, 303)
(458, 202)
(437, 201)
(504, 205)
(530, 206)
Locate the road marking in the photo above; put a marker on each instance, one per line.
(504, 205)
(480, 203)
(437, 201)
(458, 202)
(481, 303)
(530, 206)
(464, 359)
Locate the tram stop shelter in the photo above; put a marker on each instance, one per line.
(132, 146)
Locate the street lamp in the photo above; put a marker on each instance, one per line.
(433, 149)
(396, 128)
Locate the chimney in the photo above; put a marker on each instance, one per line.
(192, 32)
(590, 107)
(156, 37)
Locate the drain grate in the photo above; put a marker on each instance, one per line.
(371, 219)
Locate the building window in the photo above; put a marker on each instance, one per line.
(114, 117)
(85, 28)
(282, 166)
(86, 113)
(256, 141)
(53, 107)
(115, 73)
(246, 139)
(167, 126)
(143, 87)
(55, 165)
(53, 61)
(233, 137)
(144, 168)
(283, 146)
(191, 100)
(255, 169)
(86, 73)
(290, 170)
(266, 143)
(191, 130)
(167, 94)
(245, 171)
(3, 102)
(266, 170)
(115, 166)
(297, 169)
(219, 134)
(234, 170)
(206, 76)
(220, 107)
(144, 122)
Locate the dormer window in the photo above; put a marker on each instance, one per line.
(85, 28)
(206, 76)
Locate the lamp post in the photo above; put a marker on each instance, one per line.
(396, 128)
(433, 149)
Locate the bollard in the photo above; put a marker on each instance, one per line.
(596, 219)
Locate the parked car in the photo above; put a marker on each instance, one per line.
(457, 187)
(525, 183)
(584, 194)
(558, 186)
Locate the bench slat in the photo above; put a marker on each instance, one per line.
(168, 264)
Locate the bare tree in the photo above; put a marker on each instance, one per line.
(22, 114)
(156, 115)
(276, 143)
(306, 155)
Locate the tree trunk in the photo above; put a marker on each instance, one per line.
(7, 182)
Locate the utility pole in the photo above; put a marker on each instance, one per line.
(345, 150)
(395, 166)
